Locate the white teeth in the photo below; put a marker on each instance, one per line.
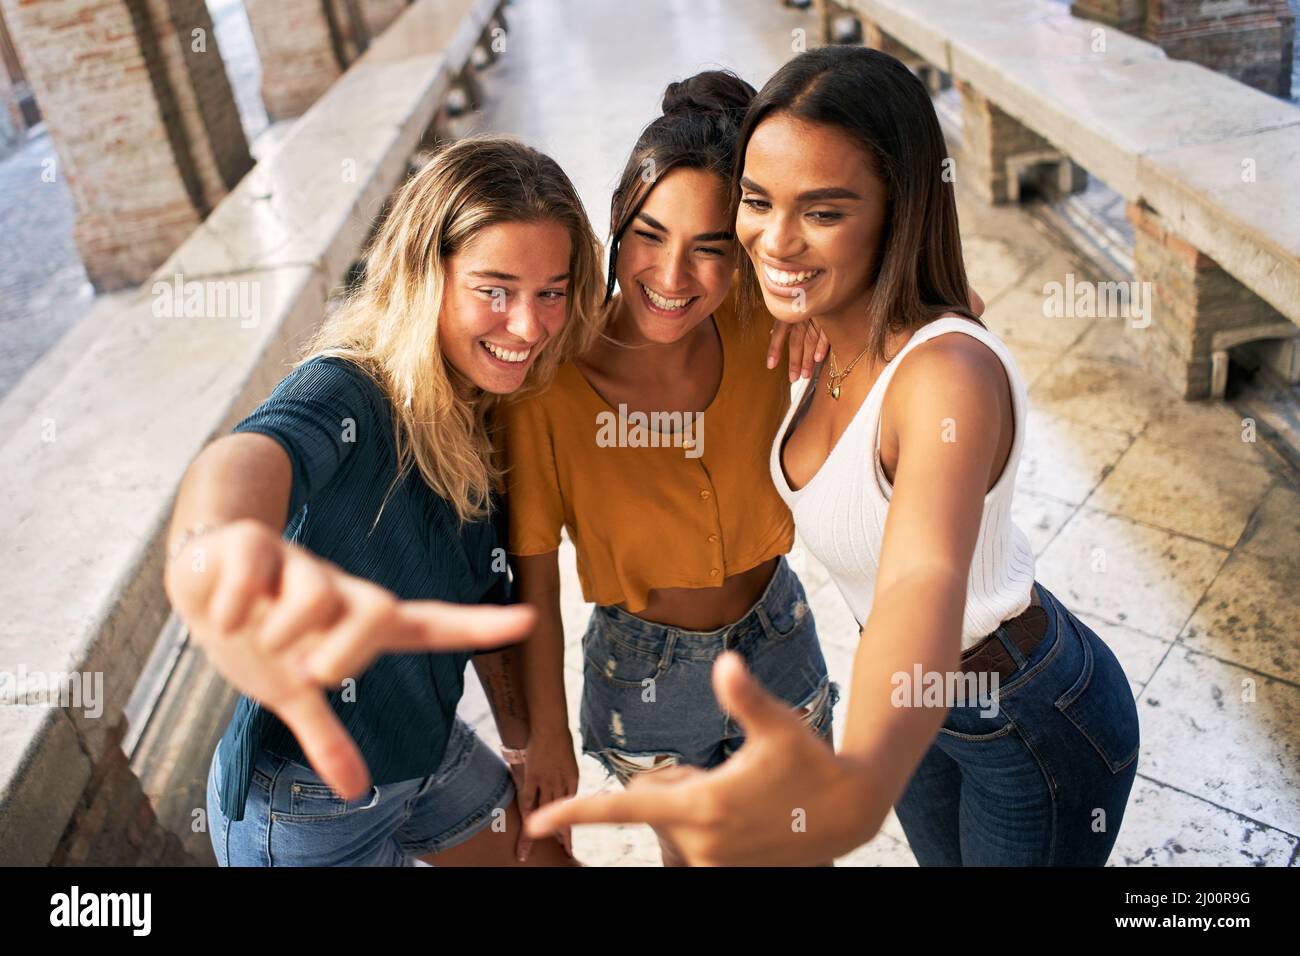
(788, 278)
(506, 355)
(662, 302)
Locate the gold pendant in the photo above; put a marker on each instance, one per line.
(835, 392)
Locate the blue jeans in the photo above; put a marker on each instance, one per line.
(647, 694)
(1045, 780)
(293, 818)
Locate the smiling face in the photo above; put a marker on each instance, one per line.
(676, 258)
(811, 214)
(504, 299)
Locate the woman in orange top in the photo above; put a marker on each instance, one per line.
(652, 450)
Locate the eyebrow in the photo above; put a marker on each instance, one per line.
(507, 277)
(654, 223)
(812, 195)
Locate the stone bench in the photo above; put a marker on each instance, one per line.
(1203, 160)
(90, 477)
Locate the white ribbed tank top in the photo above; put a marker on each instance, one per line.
(840, 513)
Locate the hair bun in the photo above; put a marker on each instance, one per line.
(711, 93)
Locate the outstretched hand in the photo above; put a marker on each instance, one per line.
(784, 798)
(280, 624)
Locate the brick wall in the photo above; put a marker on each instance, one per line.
(146, 136)
(1191, 299)
(115, 823)
(297, 52)
(1249, 40)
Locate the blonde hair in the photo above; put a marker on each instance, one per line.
(389, 325)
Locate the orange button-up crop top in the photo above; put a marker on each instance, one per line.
(669, 501)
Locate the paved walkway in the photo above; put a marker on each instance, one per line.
(1167, 531)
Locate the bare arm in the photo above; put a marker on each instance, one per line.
(501, 675)
(551, 768)
(537, 579)
(239, 476)
(739, 813)
(929, 541)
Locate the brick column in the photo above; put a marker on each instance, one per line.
(1126, 15)
(1191, 298)
(878, 39)
(1248, 40)
(14, 93)
(204, 103)
(144, 126)
(380, 13)
(298, 49)
(993, 142)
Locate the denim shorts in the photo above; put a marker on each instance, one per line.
(647, 694)
(1043, 778)
(293, 818)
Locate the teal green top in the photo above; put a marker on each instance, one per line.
(337, 428)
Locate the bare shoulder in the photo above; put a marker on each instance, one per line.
(953, 372)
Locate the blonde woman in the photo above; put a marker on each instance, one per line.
(374, 458)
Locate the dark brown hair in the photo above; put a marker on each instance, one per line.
(873, 98)
(698, 129)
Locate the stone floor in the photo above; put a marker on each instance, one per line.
(1159, 522)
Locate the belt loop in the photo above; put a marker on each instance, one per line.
(670, 641)
(1010, 645)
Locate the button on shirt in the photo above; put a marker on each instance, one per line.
(336, 427)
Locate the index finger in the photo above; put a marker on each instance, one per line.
(780, 332)
(656, 806)
(442, 626)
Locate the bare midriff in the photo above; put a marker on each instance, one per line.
(707, 609)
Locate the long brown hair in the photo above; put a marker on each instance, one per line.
(389, 325)
(919, 273)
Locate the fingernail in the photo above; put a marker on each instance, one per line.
(771, 362)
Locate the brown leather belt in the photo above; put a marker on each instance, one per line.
(1025, 630)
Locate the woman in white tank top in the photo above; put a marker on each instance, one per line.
(1000, 728)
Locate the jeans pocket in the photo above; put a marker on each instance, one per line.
(782, 621)
(619, 663)
(310, 798)
(1100, 704)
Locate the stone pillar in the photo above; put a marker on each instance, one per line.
(204, 103)
(997, 150)
(1126, 15)
(878, 39)
(1248, 40)
(380, 13)
(144, 125)
(1190, 299)
(16, 101)
(297, 46)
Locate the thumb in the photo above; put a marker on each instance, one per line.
(742, 697)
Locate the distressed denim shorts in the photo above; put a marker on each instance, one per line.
(1042, 778)
(647, 695)
(293, 818)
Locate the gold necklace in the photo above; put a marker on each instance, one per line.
(836, 379)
